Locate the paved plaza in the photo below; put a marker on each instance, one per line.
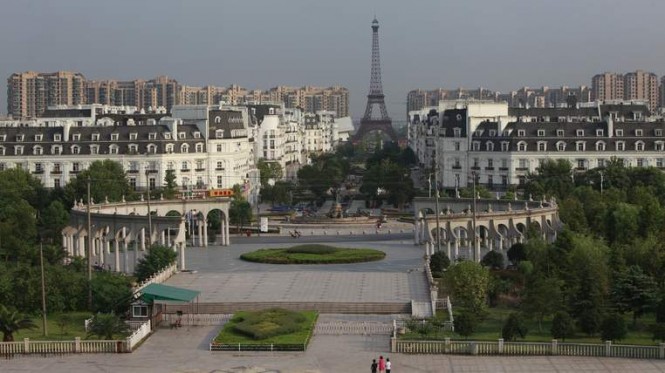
(222, 277)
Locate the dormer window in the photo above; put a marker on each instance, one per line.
(579, 133)
(37, 150)
(113, 149)
(152, 148)
(133, 148)
(489, 146)
(133, 136)
(659, 146)
(76, 149)
(94, 149)
(580, 146)
(618, 132)
(621, 145)
(561, 146)
(114, 137)
(521, 146)
(76, 137)
(218, 119)
(219, 134)
(169, 148)
(521, 133)
(56, 149)
(182, 135)
(600, 146)
(559, 133)
(18, 150)
(542, 146)
(95, 137)
(638, 132)
(20, 137)
(600, 133)
(39, 137)
(492, 132)
(476, 146)
(167, 135)
(57, 137)
(199, 148)
(3, 137)
(197, 135)
(541, 133)
(639, 146)
(184, 148)
(457, 132)
(152, 136)
(658, 132)
(505, 146)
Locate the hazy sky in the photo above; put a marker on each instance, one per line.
(497, 44)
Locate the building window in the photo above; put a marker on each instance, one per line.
(580, 146)
(457, 146)
(151, 183)
(542, 146)
(600, 132)
(219, 181)
(185, 166)
(581, 164)
(490, 164)
(114, 137)
(658, 132)
(601, 162)
(2, 150)
(639, 146)
(152, 136)
(139, 311)
(199, 148)
(659, 145)
(521, 133)
(524, 164)
(659, 162)
(184, 148)
(113, 149)
(182, 135)
(640, 162)
(541, 133)
(95, 137)
(56, 168)
(56, 137)
(638, 132)
(220, 166)
(133, 136)
(19, 137)
(618, 132)
(476, 145)
(199, 165)
(76, 137)
(170, 165)
(489, 146)
(559, 133)
(505, 146)
(504, 180)
(76, 167)
(56, 182)
(37, 150)
(169, 148)
(133, 166)
(457, 132)
(152, 149)
(199, 182)
(521, 146)
(39, 168)
(600, 146)
(167, 135)
(132, 183)
(39, 137)
(456, 164)
(219, 148)
(621, 145)
(133, 149)
(579, 133)
(561, 146)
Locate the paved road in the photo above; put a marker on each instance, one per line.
(185, 350)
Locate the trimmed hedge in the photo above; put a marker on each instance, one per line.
(276, 328)
(313, 254)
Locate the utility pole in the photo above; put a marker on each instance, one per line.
(41, 263)
(601, 182)
(147, 181)
(436, 186)
(89, 248)
(476, 247)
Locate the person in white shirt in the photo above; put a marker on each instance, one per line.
(389, 365)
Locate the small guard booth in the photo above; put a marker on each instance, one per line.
(152, 300)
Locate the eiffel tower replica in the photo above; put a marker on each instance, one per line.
(380, 122)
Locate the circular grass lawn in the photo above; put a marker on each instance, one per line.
(313, 254)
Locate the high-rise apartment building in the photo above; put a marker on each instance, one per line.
(607, 86)
(30, 93)
(161, 91)
(641, 85)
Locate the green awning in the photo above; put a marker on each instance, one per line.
(157, 292)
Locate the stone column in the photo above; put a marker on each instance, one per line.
(416, 233)
(226, 231)
(116, 247)
(142, 239)
(199, 232)
(456, 249)
(205, 231)
(162, 238)
(125, 255)
(182, 256)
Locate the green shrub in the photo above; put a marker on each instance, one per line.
(312, 249)
(563, 326)
(613, 328)
(513, 327)
(438, 262)
(465, 324)
(268, 323)
(493, 259)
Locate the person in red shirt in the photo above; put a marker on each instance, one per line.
(382, 364)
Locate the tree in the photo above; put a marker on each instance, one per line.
(516, 253)
(552, 178)
(171, 186)
(469, 283)
(52, 220)
(563, 326)
(107, 326)
(113, 292)
(438, 262)
(157, 258)
(542, 297)
(269, 170)
(493, 260)
(107, 180)
(513, 327)
(465, 324)
(613, 328)
(633, 291)
(240, 212)
(658, 331)
(11, 322)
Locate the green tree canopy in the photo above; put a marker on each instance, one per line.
(269, 170)
(107, 326)
(157, 258)
(107, 180)
(469, 283)
(12, 321)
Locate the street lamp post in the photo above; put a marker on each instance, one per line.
(147, 182)
(41, 264)
(476, 247)
(436, 186)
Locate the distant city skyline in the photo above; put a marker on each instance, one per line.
(501, 46)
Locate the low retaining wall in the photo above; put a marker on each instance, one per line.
(321, 307)
(26, 347)
(553, 348)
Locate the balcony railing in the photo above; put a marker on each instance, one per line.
(522, 169)
(457, 167)
(489, 168)
(503, 168)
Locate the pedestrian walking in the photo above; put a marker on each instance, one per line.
(389, 365)
(382, 364)
(374, 366)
